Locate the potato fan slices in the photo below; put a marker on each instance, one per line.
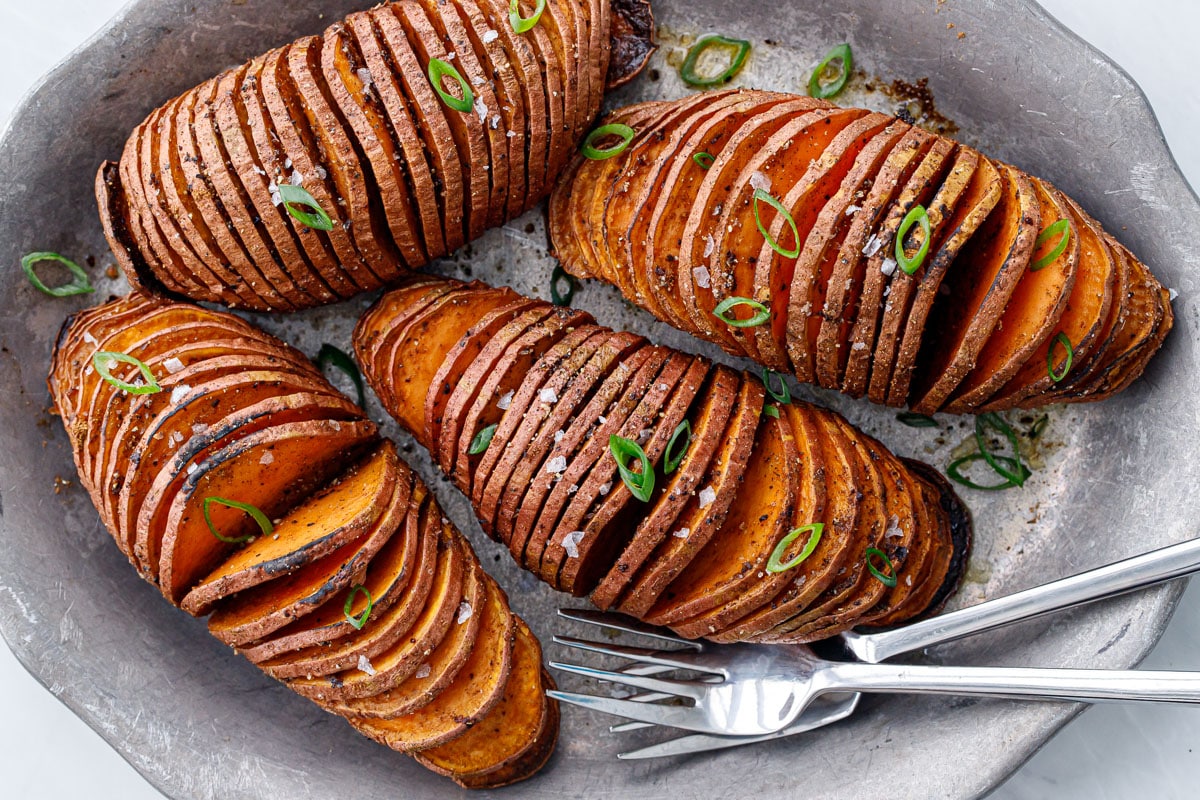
(197, 206)
(995, 315)
(517, 400)
(439, 661)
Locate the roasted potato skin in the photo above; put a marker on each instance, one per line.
(242, 416)
(195, 206)
(519, 402)
(1005, 310)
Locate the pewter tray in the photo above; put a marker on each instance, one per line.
(1112, 479)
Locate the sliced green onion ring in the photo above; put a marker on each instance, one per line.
(954, 470)
(1001, 464)
(761, 196)
(740, 50)
(1062, 339)
(641, 484)
(482, 440)
(784, 395)
(1061, 228)
(557, 277)
(916, 216)
(264, 524)
(917, 420)
(771, 410)
(887, 580)
(360, 621)
(330, 356)
(814, 531)
(624, 132)
(295, 196)
(104, 361)
(761, 312)
(824, 91)
(439, 69)
(1039, 426)
(704, 160)
(524, 24)
(671, 458)
(79, 282)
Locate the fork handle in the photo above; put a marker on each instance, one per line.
(1082, 685)
(1114, 579)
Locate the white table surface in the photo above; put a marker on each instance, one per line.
(1111, 752)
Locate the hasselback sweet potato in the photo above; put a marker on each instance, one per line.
(405, 162)
(239, 481)
(1000, 293)
(766, 520)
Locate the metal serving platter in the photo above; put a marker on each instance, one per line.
(1112, 479)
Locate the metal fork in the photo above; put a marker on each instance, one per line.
(1118, 578)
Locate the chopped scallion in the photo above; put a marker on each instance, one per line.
(641, 484)
(482, 440)
(704, 160)
(992, 420)
(439, 70)
(775, 563)
(917, 420)
(360, 621)
(264, 524)
(784, 395)
(1060, 339)
(761, 196)
(295, 198)
(739, 50)
(330, 356)
(761, 312)
(558, 277)
(79, 282)
(954, 470)
(824, 89)
(1062, 229)
(524, 24)
(104, 361)
(677, 447)
(622, 132)
(888, 580)
(916, 216)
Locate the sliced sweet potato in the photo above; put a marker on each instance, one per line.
(477, 689)
(339, 514)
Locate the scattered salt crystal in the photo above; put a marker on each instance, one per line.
(191, 468)
(893, 529)
(710, 244)
(873, 245)
(571, 542)
(703, 280)
(364, 665)
(859, 346)
(333, 423)
(173, 365)
(481, 109)
(644, 435)
(558, 435)
(1171, 295)
(364, 75)
(199, 429)
(276, 197)
(450, 56)
(682, 533)
(852, 210)
(505, 401)
(464, 612)
(908, 580)
(322, 173)
(759, 180)
(887, 290)
(511, 134)
(260, 170)
(179, 392)
(297, 179)
(888, 267)
(287, 163)
(489, 36)
(556, 465)
(606, 488)
(548, 395)
(87, 336)
(707, 496)
(662, 387)
(175, 438)
(423, 671)
(573, 488)
(267, 458)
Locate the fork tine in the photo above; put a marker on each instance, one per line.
(675, 659)
(645, 697)
(619, 622)
(671, 716)
(812, 719)
(671, 687)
